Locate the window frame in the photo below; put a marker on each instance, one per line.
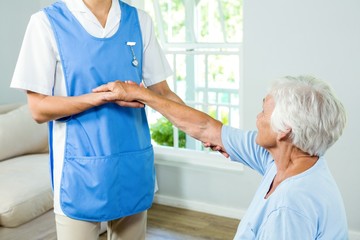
(175, 155)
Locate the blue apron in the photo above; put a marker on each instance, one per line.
(108, 170)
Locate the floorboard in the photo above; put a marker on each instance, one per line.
(169, 223)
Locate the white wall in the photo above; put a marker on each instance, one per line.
(281, 38)
(14, 16)
(314, 37)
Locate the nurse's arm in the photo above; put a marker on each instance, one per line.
(45, 108)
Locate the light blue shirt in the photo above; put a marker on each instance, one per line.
(305, 206)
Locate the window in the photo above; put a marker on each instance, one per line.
(202, 40)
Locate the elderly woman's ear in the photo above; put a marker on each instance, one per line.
(283, 136)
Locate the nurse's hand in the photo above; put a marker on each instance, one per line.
(116, 92)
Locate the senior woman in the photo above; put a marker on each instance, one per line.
(301, 118)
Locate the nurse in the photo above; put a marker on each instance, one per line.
(101, 157)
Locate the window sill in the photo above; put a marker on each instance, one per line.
(194, 159)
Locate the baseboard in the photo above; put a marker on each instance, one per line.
(199, 206)
(353, 235)
(214, 209)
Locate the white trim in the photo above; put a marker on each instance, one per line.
(199, 206)
(236, 47)
(354, 235)
(185, 158)
(215, 209)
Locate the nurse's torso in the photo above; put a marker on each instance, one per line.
(108, 169)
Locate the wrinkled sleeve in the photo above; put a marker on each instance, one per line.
(36, 64)
(241, 147)
(155, 65)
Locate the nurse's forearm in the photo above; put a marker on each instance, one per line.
(46, 108)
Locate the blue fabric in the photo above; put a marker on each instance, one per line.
(108, 169)
(305, 206)
(51, 153)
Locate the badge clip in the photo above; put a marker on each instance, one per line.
(134, 61)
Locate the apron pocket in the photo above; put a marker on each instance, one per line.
(109, 187)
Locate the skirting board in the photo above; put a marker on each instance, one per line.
(214, 209)
(199, 206)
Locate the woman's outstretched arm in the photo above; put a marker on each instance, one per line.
(195, 123)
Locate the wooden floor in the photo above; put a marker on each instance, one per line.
(169, 223)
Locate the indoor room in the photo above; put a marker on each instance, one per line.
(219, 57)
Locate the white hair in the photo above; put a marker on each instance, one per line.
(310, 109)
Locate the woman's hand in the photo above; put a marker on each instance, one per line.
(216, 148)
(120, 93)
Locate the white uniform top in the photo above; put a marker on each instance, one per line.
(39, 67)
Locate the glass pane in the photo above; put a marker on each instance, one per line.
(162, 133)
(198, 39)
(223, 71)
(197, 20)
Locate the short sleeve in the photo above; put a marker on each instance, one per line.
(241, 147)
(284, 224)
(36, 64)
(155, 65)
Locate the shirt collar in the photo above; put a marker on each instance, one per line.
(80, 7)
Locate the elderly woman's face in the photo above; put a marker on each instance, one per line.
(266, 136)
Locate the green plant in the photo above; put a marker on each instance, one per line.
(162, 132)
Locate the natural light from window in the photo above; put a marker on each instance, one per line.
(202, 40)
